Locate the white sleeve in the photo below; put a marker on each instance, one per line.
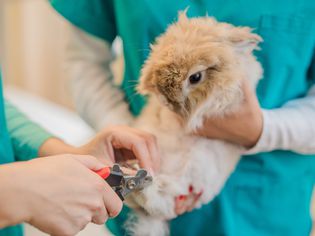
(291, 127)
(97, 99)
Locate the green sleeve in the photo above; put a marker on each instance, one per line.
(26, 136)
(93, 16)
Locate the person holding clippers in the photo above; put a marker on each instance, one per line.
(54, 186)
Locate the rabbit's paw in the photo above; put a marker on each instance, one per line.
(156, 200)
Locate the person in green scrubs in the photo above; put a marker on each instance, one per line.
(270, 191)
(59, 194)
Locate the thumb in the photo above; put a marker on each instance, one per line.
(90, 162)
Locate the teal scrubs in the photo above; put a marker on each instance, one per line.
(269, 193)
(20, 140)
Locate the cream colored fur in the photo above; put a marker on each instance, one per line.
(223, 53)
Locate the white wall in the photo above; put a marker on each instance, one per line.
(34, 39)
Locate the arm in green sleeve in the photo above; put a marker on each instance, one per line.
(26, 136)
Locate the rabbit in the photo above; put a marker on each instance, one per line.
(194, 71)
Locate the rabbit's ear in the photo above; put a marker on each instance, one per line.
(146, 85)
(243, 39)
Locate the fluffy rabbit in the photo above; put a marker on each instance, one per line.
(194, 71)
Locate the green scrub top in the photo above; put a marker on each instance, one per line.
(20, 140)
(269, 193)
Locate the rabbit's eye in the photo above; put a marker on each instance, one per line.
(195, 78)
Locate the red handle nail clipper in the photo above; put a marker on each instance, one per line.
(124, 184)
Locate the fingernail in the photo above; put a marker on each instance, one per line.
(181, 197)
(191, 189)
(110, 215)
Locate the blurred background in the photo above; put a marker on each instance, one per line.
(33, 39)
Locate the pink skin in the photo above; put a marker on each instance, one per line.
(184, 203)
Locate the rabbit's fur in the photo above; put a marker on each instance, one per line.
(223, 54)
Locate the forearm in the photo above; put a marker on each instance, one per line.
(55, 146)
(97, 99)
(13, 208)
(291, 127)
(30, 140)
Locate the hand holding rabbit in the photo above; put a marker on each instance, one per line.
(243, 127)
